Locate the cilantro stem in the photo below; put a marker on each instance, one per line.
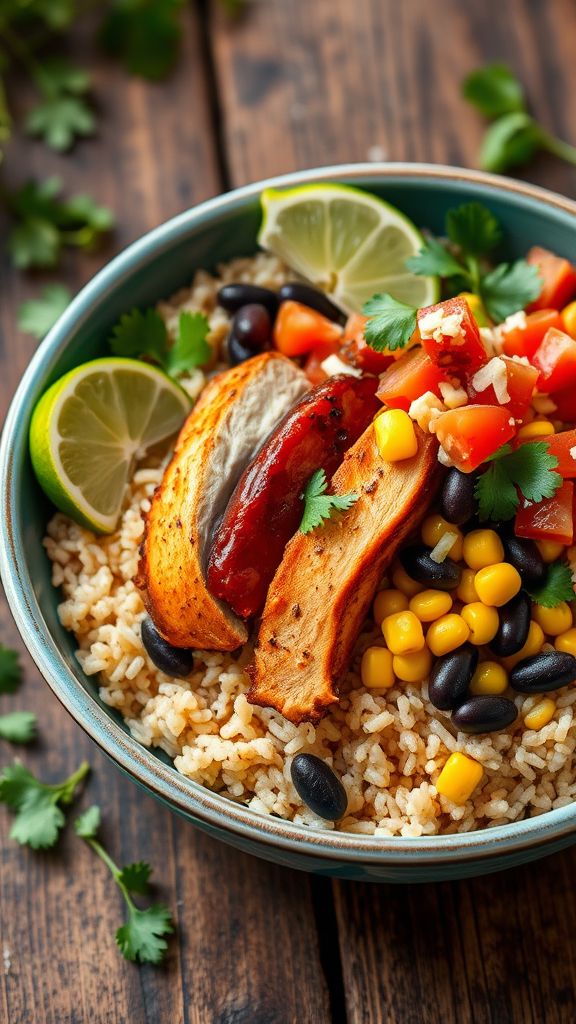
(69, 785)
(473, 268)
(558, 147)
(113, 869)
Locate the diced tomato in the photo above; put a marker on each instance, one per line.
(312, 366)
(551, 519)
(407, 379)
(299, 329)
(558, 278)
(561, 445)
(523, 341)
(565, 402)
(521, 382)
(555, 358)
(357, 351)
(454, 343)
(470, 434)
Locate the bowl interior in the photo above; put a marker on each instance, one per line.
(154, 268)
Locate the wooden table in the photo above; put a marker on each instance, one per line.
(296, 83)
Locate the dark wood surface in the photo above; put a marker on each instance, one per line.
(292, 84)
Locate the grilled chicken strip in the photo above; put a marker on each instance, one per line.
(323, 587)
(232, 418)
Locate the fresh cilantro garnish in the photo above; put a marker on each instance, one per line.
(10, 670)
(319, 506)
(391, 323)
(141, 937)
(529, 469)
(45, 223)
(63, 113)
(144, 34)
(143, 333)
(515, 136)
(474, 231)
(39, 816)
(37, 316)
(18, 726)
(558, 587)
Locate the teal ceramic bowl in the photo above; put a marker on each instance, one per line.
(153, 267)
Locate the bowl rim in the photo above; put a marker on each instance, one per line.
(182, 794)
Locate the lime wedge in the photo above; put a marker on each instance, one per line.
(90, 426)
(347, 242)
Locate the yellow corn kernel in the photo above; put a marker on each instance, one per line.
(430, 604)
(446, 634)
(413, 668)
(554, 621)
(538, 428)
(569, 317)
(434, 527)
(482, 621)
(403, 633)
(459, 777)
(550, 549)
(497, 584)
(489, 677)
(466, 590)
(476, 308)
(566, 642)
(540, 714)
(533, 645)
(376, 669)
(386, 603)
(402, 581)
(395, 435)
(482, 548)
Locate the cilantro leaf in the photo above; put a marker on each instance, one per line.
(10, 670)
(37, 316)
(434, 260)
(34, 243)
(39, 817)
(319, 506)
(144, 34)
(45, 223)
(135, 877)
(474, 228)
(530, 469)
(511, 141)
(494, 90)
(140, 334)
(190, 348)
(59, 76)
(87, 824)
(83, 212)
(508, 288)
(558, 586)
(18, 726)
(391, 324)
(140, 938)
(59, 120)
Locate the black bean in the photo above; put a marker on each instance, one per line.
(451, 677)
(233, 296)
(546, 671)
(513, 627)
(318, 786)
(525, 557)
(295, 291)
(174, 661)
(252, 327)
(457, 498)
(237, 352)
(485, 714)
(440, 575)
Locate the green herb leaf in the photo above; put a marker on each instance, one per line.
(140, 938)
(34, 243)
(140, 334)
(391, 324)
(319, 506)
(434, 260)
(60, 121)
(511, 141)
(87, 824)
(558, 586)
(144, 34)
(10, 670)
(530, 469)
(508, 288)
(45, 223)
(190, 348)
(39, 817)
(494, 90)
(18, 726)
(59, 76)
(37, 316)
(135, 877)
(474, 228)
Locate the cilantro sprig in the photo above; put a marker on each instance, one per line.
(557, 587)
(37, 805)
(15, 726)
(319, 506)
(37, 316)
(529, 470)
(514, 136)
(10, 670)
(143, 333)
(391, 324)
(63, 114)
(141, 937)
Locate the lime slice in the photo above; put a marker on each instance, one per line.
(348, 242)
(90, 426)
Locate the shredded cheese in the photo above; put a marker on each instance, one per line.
(333, 365)
(493, 374)
(437, 325)
(425, 410)
(573, 452)
(453, 397)
(442, 549)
